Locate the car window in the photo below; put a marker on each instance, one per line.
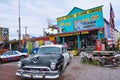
(8, 53)
(64, 49)
(49, 50)
(15, 52)
(11, 53)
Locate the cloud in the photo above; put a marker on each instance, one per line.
(34, 13)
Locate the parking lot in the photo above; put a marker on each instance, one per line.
(74, 71)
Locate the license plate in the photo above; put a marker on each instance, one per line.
(35, 70)
(31, 75)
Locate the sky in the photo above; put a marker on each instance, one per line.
(35, 14)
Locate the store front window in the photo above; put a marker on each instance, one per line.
(88, 41)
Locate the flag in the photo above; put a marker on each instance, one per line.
(112, 17)
(112, 26)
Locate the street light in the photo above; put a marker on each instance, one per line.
(19, 27)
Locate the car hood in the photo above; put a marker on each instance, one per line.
(42, 59)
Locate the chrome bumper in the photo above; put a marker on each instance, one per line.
(38, 75)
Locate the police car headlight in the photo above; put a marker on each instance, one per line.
(19, 64)
(52, 65)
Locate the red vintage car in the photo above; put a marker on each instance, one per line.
(13, 55)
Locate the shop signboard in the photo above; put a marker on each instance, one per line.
(52, 38)
(83, 20)
(85, 32)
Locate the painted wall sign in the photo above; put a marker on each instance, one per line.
(77, 33)
(83, 25)
(84, 20)
(66, 35)
(90, 11)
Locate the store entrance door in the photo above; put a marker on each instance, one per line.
(72, 41)
(88, 42)
(83, 42)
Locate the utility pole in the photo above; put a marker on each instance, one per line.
(19, 27)
(26, 30)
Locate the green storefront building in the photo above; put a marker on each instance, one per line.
(82, 29)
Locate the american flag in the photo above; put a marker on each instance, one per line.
(112, 17)
(110, 29)
(112, 26)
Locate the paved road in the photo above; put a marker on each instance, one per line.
(74, 71)
(7, 71)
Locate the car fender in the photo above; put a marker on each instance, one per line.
(66, 58)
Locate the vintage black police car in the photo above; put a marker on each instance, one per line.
(48, 63)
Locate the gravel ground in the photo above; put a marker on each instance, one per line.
(78, 71)
(74, 71)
